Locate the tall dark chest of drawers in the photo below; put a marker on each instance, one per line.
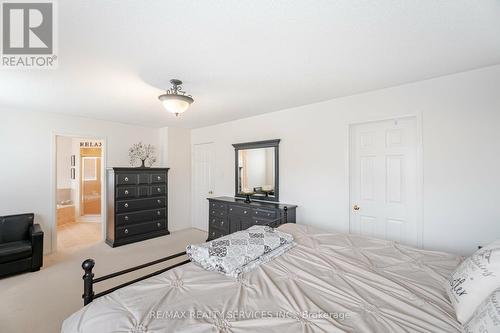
(227, 215)
(136, 204)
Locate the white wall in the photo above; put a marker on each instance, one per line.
(179, 178)
(26, 149)
(461, 154)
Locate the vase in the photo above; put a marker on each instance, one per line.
(143, 165)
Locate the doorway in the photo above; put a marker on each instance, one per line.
(203, 183)
(79, 192)
(90, 183)
(384, 180)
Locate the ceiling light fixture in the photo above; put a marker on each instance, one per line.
(175, 100)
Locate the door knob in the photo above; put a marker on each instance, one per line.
(355, 207)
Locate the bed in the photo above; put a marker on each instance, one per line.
(328, 282)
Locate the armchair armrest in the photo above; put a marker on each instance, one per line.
(36, 235)
(36, 230)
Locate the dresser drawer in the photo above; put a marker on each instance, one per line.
(246, 223)
(140, 228)
(127, 178)
(228, 215)
(242, 211)
(158, 190)
(144, 178)
(158, 178)
(219, 223)
(143, 191)
(216, 233)
(140, 204)
(261, 221)
(217, 212)
(144, 216)
(264, 213)
(126, 192)
(217, 205)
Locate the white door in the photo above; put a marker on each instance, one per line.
(383, 180)
(203, 182)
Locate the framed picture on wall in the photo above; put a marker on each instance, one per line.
(73, 160)
(73, 176)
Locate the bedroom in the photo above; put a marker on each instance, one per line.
(309, 73)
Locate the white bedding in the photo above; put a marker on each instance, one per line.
(329, 282)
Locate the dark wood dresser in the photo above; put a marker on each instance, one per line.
(136, 204)
(228, 215)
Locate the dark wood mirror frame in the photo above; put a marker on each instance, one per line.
(255, 145)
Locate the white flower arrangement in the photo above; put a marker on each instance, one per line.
(140, 152)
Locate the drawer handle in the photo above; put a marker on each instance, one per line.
(126, 191)
(159, 177)
(256, 213)
(158, 224)
(159, 201)
(268, 214)
(126, 218)
(230, 209)
(245, 212)
(159, 189)
(158, 212)
(126, 205)
(213, 220)
(213, 233)
(126, 179)
(222, 223)
(126, 231)
(213, 212)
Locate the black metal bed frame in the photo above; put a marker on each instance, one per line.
(89, 280)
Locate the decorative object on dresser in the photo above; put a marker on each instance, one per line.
(248, 196)
(256, 170)
(136, 204)
(141, 152)
(228, 215)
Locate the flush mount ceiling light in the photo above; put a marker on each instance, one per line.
(175, 100)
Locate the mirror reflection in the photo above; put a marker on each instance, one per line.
(256, 171)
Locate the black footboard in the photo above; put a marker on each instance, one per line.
(89, 280)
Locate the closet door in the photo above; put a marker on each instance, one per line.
(203, 183)
(383, 180)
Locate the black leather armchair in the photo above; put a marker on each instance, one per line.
(21, 244)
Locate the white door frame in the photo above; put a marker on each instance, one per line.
(193, 186)
(420, 169)
(53, 181)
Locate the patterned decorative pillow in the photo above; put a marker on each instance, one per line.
(486, 318)
(474, 279)
(241, 251)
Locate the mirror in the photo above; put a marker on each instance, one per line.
(257, 170)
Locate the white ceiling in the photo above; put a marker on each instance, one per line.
(241, 58)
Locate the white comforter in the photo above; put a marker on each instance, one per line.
(329, 282)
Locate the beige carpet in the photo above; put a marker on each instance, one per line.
(40, 301)
(74, 236)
